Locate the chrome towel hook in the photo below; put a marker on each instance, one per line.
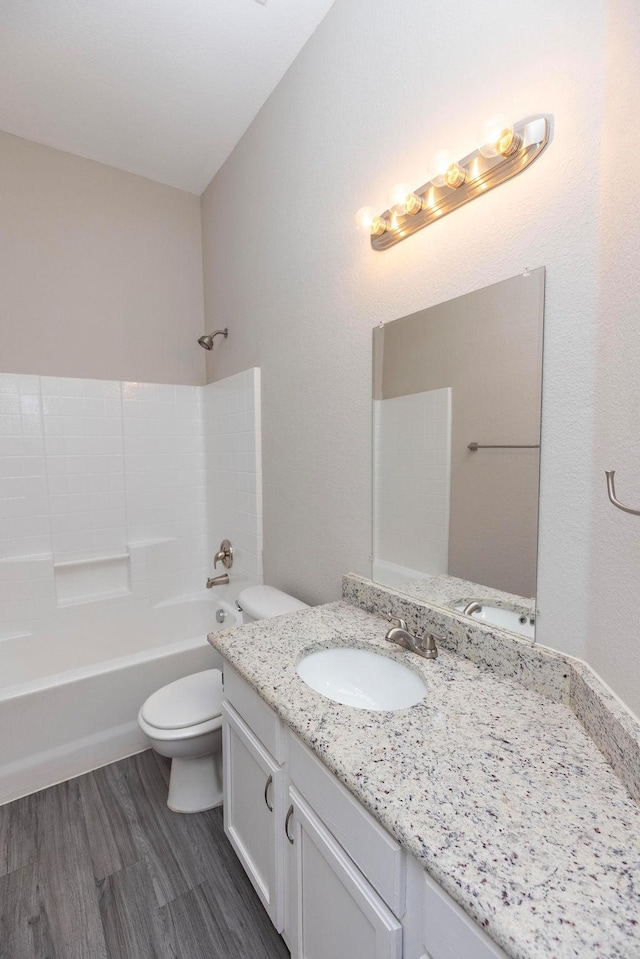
(611, 490)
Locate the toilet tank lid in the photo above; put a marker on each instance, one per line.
(186, 702)
(262, 602)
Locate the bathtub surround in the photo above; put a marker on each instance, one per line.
(110, 493)
(556, 676)
(233, 463)
(411, 536)
(114, 489)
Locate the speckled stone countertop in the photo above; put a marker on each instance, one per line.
(447, 591)
(497, 791)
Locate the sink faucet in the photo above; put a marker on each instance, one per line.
(425, 647)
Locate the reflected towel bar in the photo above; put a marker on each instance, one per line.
(509, 446)
(611, 490)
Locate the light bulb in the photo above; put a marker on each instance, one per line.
(440, 163)
(498, 138)
(403, 200)
(368, 220)
(455, 175)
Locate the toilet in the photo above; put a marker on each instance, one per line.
(183, 720)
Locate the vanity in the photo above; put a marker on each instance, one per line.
(481, 822)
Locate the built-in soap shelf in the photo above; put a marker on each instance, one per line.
(91, 578)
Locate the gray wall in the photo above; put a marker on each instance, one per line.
(377, 89)
(100, 270)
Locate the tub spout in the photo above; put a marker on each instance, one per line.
(218, 581)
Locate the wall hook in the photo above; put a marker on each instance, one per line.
(611, 490)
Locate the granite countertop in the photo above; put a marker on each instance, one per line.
(497, 791)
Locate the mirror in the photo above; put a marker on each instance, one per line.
(456, 422)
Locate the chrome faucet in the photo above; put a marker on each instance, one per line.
(424, 646)
(218, 581)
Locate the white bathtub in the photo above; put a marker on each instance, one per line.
(69, 697)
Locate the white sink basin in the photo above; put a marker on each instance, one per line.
(504, 618)
(360, 678)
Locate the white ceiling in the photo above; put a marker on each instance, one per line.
(162, 88)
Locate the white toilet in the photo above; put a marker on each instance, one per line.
(184, 719)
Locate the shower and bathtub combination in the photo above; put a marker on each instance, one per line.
(113, 499)
(71, 694)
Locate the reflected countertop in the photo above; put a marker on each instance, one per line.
(497, 791)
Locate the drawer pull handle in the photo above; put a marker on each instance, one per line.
(286, 824)
(266, 793)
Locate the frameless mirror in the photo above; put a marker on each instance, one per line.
(456, 408)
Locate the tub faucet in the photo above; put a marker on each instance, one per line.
(218, 581)
(424, 646)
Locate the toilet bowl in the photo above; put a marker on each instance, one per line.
(183, 720)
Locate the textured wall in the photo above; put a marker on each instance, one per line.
(613, 638)
(100, 271)
(376, 90)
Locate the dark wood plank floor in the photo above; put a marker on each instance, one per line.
(100, 868)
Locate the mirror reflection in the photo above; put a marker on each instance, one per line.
(456, 414)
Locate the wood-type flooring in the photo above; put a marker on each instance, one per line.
(99, 868)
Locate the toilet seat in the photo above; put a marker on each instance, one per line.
(188, 707)
(175, 735)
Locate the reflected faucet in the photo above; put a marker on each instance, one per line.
(472, 607)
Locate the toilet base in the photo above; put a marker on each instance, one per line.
(195, 784)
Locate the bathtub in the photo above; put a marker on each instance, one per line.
(70, 695)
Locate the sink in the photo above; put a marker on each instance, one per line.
(361, 678)
(501, 617)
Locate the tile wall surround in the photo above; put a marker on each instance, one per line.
(554, 675)
(414, 433)
(105, 490)
(233, 463)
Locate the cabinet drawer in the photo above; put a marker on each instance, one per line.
(448, 932)
(369, 845)
(260, 718)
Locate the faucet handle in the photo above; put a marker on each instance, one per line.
(225, 554)
(398, 623)
(428, 645)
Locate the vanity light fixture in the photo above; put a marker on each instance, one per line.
(505, 150)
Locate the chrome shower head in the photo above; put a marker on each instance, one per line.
(206, 342)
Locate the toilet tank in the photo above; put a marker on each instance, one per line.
(263, 602)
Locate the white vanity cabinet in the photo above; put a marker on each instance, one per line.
(332, 879)
(255, 790)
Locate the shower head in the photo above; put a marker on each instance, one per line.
(206, 342)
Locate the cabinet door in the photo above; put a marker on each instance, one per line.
(254, 799)
(338, 914)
